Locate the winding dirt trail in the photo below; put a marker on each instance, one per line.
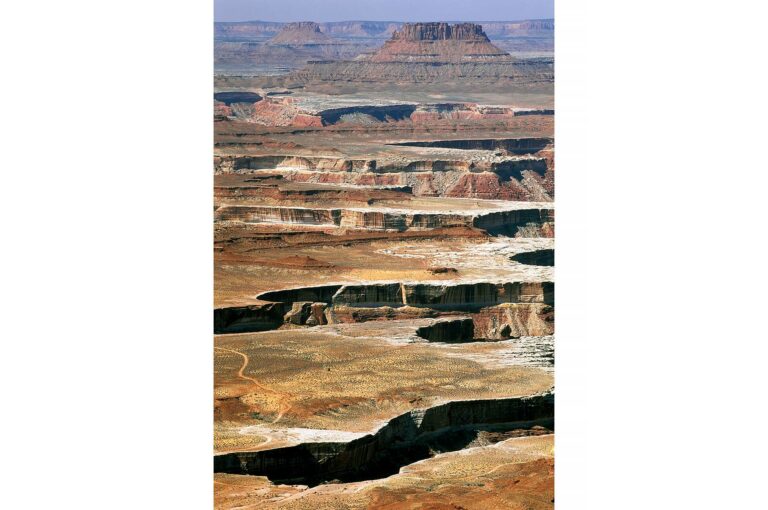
(284, 406)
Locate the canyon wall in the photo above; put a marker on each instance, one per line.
(410, 437)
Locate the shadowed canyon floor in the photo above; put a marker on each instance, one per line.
(384, 271)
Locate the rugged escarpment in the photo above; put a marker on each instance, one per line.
(370, 114)
(527, 177)
(493, 311)
(408, 438)
(497, 311)
(524, 222)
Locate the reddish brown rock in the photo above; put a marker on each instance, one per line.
(283, 112)
(440, 42)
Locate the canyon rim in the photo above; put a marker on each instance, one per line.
(384, 293)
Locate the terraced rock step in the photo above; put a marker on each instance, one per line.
(498, 310)
(278, 163)
(521, 222)
(410, 437)
(432, 295)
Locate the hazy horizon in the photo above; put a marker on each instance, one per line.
(286, 11)
(511, 20)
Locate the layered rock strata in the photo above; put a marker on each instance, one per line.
(527, 222)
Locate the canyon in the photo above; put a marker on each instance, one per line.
(384, 298)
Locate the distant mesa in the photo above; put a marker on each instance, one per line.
(431, 53)
(440, 43)
(304, 32)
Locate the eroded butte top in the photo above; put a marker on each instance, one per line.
(440, 43)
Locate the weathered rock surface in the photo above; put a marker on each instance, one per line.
(531, 222)
(514, 320)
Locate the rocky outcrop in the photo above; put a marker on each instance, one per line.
(408, 438)
(518, 223)
(346, 314)
(514, 320)
(440, 32)
(305, 313)
(282, 112)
